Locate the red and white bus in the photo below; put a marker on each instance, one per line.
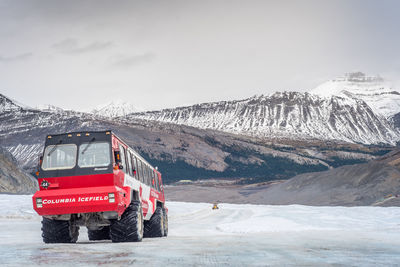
(94, 179)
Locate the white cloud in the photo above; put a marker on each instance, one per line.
(72, 46)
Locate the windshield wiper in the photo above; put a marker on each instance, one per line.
(90, 142)
(54, 148)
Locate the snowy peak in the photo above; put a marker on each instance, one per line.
(7, 104)
(360, 77)
(115, 108)
(374, 90)
(49, 108)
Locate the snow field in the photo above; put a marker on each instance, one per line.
(199, 219)
(233, 235)
(245, 218)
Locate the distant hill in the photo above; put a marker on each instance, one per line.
(12, 178)
(374, 183)
(361, 184)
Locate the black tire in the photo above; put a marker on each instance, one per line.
(55, 231)
(165, 222)
(130, 227)
(101, 234)
(155, 226)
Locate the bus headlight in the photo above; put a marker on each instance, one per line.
(39, 202)
(111, 197)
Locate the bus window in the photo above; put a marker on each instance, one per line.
(135, 168)
(129, 163)
(138, 175)
(146, 176)
(59, 157)
(140, 170)
(123, 159)
(150, 179)
(157, 185)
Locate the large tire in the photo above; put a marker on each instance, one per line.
(55, 231)
(130, 227)
(101, 234)
(165, 222)
(155, 226)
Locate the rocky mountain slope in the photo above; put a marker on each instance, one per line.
(290, 115)
(12, 178)
(181, 152)
(361, 184)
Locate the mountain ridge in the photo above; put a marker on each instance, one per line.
(184, 152)
(285, 115)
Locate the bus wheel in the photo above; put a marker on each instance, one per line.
(165, 223)
(101, 234)
(55, 231)
(155, 226)
(130, 227)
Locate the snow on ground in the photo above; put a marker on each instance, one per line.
(233, 235)
(17, 207)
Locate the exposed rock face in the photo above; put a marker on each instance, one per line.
(290, 115)
(12, 178)
(395, 119)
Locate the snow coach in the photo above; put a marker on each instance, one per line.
(95, 179)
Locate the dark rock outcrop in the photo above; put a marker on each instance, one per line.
(13, 179)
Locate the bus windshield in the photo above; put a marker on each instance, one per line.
(58, 157)
(94, 154)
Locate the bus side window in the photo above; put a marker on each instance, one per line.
(160, 182)
(150, 177)
(157, 185)
(134, 167)
(129, 163)
(152, 181)
(123, 159)
(141, 171)
(138, 175)
(146, 175)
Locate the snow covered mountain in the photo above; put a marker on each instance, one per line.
(374, 90)
(7, 104)
(115, 108)
(290, 115)
(181, 152)
(49, 108)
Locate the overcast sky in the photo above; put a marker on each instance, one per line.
(158, 54)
